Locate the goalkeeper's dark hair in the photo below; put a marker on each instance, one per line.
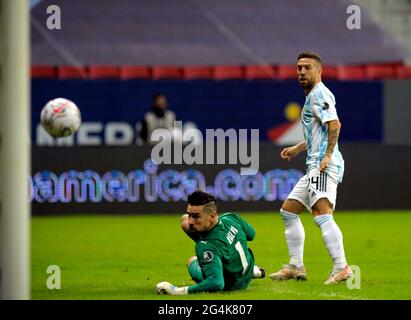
(310, 54)
(201, 198)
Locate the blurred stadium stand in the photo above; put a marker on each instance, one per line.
(166, 72)
(228, 72)
(43, 71)
(103, 72)
(111, 56)
(197, 73)
(206, 32)
(192, 49)
(287, 72)
(351, 73)
(403, 72)
(380, 72)
(394, 16)
(219, 40)
(253, 72)
(248, 72)
(134, 72)
(329, 73)
(71, 72)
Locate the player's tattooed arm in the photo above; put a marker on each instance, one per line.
(334, 127)
(333, 133)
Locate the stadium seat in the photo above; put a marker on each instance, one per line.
(376, 72)
(403, 72)
(166, 72)
(197, 72)
(351, 73)
(287, 72)
(329, 72)
(134, 72)
(253, 72)
(103, 72)
(72, 72)
(228, 72)
(42, 71)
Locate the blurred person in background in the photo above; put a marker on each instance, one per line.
(159, 117)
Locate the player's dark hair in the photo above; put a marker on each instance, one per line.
(200, 198)
(310, 54)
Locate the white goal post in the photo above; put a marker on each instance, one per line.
(14, 150)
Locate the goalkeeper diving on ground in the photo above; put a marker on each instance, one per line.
(223, 260)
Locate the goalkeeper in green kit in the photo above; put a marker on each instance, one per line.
(223, 260)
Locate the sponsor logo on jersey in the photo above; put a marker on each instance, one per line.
(208, 256)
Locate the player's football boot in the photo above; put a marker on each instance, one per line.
(258, 272)
(288, 272)
(338, 276)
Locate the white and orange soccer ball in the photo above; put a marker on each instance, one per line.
(60, 117)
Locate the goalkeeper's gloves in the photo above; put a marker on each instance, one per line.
(167, 288)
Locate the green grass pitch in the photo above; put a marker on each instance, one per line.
(124, 257)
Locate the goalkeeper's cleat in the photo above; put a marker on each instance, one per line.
(258, 272)
(338, 276)
(289, 272)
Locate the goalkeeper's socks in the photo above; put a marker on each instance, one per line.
(295, 236)
(333, 240)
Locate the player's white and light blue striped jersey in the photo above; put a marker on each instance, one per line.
(319, 108)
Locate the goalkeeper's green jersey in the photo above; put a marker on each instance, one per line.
(224, 257)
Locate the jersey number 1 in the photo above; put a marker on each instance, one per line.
(240, 250)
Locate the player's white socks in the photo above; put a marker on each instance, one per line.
(295, 236)
(333, 239)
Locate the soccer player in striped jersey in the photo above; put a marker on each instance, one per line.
(317, 190)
